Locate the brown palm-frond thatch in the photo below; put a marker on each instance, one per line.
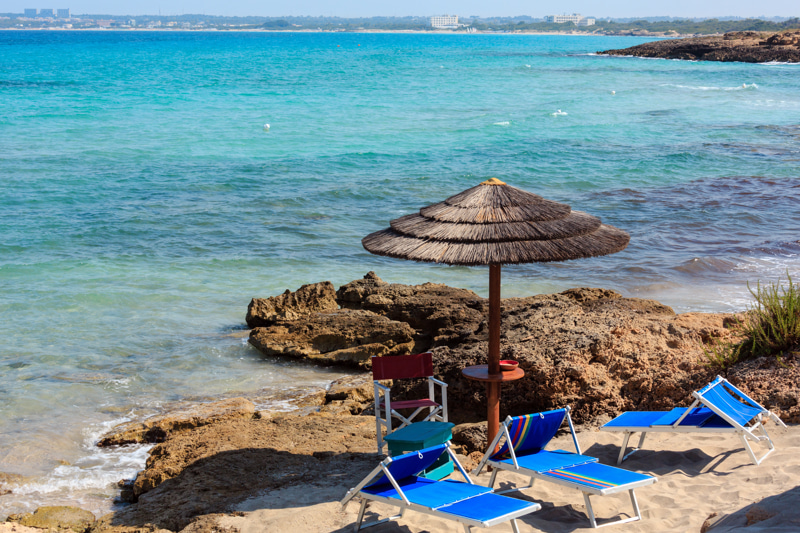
(496, 223)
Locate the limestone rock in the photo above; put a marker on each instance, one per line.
(748, 47)
(472, 436)
(439, 314)
(155, 429)
(212, 467)
(56, 517)
(588, 348)
(308, 299)
(344, 337)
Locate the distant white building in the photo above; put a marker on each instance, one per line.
(47, 13)
(445, 22)
(63, 13)
(575, 18)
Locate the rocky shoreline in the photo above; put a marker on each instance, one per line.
(746, 46)
(592, 349)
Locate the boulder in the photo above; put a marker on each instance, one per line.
(211, 468)
(343, 337)
(156, 429)
(59, 518)
(588, 348)
(439, 314)
(748, 47)
(308, 299)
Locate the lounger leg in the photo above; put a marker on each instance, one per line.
(361, 514)
(589, 509)
(752, 454)
(624, 447)
(636, 511)
(638, 447)
(514, 526)
(467, 529)
(493, 478)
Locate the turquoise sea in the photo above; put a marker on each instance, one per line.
(143, 203)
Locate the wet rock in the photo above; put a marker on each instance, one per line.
(748, 47)
(308, 299)
(157, 428)
(357, 388)
(343, 337)
(59, 518)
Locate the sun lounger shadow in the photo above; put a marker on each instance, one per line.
(691, 462)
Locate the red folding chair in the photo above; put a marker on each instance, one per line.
(405, 367)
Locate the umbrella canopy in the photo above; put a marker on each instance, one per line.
(496, 223)
(491, 224)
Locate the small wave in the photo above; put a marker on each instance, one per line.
(504, 123)
(779, 64)
(742, 87)
(559, 113)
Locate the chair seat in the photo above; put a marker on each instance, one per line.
(412, 404)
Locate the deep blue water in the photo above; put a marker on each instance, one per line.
(142, 202)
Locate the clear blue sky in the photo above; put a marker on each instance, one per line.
(368, 8)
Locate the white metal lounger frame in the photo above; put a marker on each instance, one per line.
(744, 432)
(405, 504)
(586, 491)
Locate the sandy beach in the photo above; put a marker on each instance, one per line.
(701, 479)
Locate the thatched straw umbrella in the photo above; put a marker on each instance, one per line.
(491, 224)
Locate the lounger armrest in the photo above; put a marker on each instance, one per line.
(384, 388)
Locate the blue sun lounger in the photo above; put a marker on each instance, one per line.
(525, 438)
(719, 407)
(395, 482)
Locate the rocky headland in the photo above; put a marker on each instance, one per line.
(589, 348)
(745, 46)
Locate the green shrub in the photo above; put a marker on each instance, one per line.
(771, 326)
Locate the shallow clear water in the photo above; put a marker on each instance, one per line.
(142, 202)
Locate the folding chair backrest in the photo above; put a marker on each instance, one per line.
(402, 366)
(410, 464)
(720, 398)
(531, 433)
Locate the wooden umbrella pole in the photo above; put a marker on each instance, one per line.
(493, 389)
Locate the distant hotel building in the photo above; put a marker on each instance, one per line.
(575, 18)
(46, 13)
(30, 13)
(63, 14)
(445, 22)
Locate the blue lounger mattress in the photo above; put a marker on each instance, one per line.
(544, 460)
(428, 492)
(488, 508)
(599, 478)
(700, 417)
